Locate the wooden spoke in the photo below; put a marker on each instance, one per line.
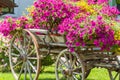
(66, 58)
(75, 77)
(16, 48)
(27, 43)
(31, 52)
(21, 70)
(25, 72)
(13, 54)
(32, 58)
(70, 57)
(73, 62)
(62, 62)
(76, 73)
(21, 45)
(17, 64)
(24, 39)
(60, 68)
(28, 46)
(32, 66)
(28, 68)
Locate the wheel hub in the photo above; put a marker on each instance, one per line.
(68, 72)
(23, 57)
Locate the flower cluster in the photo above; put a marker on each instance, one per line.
(82, 21)
(10, 25)
(88, 28)
(84, 6)
(48, 14)
(83, 31)
(110, 11)
(75, 32)
(103, 35)
(7, 26)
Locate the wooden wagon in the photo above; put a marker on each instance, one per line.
(29, 46)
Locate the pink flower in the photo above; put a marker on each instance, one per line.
(77, 44)
(72, 50)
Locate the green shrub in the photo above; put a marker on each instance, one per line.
(4, 59)
(47, 60)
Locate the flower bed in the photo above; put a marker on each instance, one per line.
(84, 21)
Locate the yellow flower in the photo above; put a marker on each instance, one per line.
(117, 51)
(117, 35)
(84, 6)
(30, 10)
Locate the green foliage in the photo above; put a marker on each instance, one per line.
(4, 60)
(118, 1)
(47, 60)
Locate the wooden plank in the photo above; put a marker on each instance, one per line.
(53, 44)
(51, 38)
(107, 65)
(51, 51)
(39, 30)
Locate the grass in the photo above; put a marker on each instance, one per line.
(48, 74)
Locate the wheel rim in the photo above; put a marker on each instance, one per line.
(24, 56)
(69, 66)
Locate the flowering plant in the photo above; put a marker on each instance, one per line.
(82, 21)
(10, 25)
(48, 14)
(95, 23)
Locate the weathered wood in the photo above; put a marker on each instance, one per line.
(7, 4)
(39, 30)
(51, 51)
(107, 65)
(51, 38)
(89, 53)
(47, 36)
(53, 44)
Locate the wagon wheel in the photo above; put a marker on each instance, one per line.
(24, 56)
(69, 66)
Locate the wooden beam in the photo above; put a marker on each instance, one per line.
(7, 3)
